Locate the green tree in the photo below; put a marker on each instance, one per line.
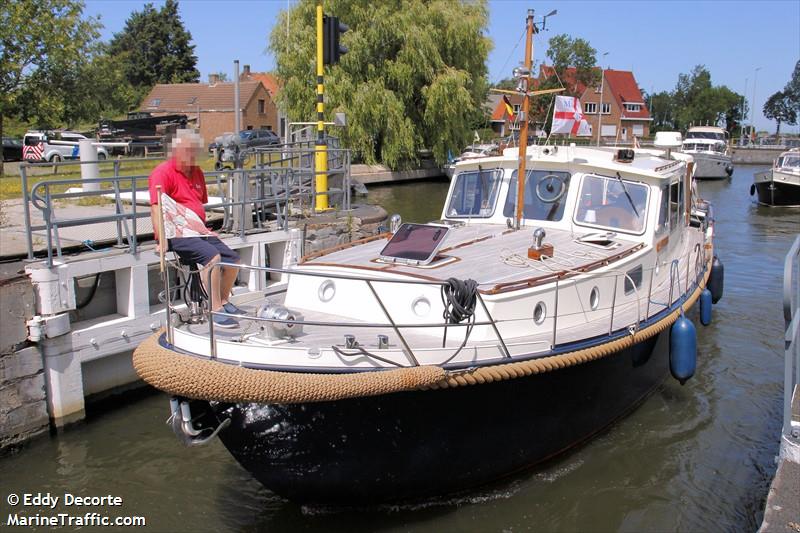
(39, 42)
(414, 76)
(696, 100)
(564, 52)
(779, 108)
(154, 47)
(792, 90)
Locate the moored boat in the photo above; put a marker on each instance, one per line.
(780, 185)
(708, 146)
(439, 357)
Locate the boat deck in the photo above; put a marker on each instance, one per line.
(500, 252)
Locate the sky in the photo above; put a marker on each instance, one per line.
(744, 44)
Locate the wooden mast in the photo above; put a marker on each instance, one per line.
(523, 132)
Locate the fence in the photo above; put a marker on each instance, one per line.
(247, 198)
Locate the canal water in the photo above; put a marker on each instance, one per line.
(697, 457)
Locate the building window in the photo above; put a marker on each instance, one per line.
(638, 129)
(633, 107)
(261, 104)
(517, 109)
(597, 90)
(590, 107)
(606, 108)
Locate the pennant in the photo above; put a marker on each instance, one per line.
(509, 108)
(568, 117)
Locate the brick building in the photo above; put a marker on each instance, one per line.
(623, 114)
(210, 108)
(273, 86)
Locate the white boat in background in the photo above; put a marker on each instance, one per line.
(476, 151)
(780, 185)
(708, 146)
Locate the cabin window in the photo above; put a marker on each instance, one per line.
(603, 202)
(663, 211)
(633, 279)
(474, 194)
(675, 203)
(545, 195)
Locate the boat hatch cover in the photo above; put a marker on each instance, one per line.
(414, 244)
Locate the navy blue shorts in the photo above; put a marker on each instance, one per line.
(201, 250)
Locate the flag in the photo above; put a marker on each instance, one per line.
(509, 108)
(180, 221)
(568, 117)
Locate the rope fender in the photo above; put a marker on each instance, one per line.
(204, 379)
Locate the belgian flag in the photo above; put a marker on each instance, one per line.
(509, 108)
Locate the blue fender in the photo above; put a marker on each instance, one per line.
(682, 349)
(705, 307)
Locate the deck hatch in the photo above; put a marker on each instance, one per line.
(414, 244)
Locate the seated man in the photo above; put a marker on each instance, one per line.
(183, 189)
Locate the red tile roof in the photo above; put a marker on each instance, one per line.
(625, 89)
(186, 97)
(270, 81)
(499, 114)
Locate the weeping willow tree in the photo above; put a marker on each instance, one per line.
(414, 77)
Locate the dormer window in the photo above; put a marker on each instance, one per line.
(155, 102)
(633, 108)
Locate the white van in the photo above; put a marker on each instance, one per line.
(36, 146)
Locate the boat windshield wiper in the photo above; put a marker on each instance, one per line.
(627, 194)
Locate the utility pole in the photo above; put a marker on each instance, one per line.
(600, 111)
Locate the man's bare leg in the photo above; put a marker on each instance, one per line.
(211, 281)
(228, 279)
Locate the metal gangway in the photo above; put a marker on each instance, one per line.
(275, 185)
(790, 438)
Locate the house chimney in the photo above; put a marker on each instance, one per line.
(246, 72)
(213, 79)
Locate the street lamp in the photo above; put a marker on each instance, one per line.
(600, 110)
(753, 111)
(741, 126)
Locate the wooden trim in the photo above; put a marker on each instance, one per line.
(533, 282)
(338, 247)
(662, 243)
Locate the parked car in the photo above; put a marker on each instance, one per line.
(39, 146)
(253, 138)
(12, 149)
(229, 145)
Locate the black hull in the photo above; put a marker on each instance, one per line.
(778, 194)
(414, 445)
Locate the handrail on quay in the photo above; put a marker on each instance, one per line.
(283, 175)
(791, 317)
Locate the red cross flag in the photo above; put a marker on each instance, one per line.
(568, 117)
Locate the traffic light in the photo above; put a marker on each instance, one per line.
(331, 31)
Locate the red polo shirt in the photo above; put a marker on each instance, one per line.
(189, 191)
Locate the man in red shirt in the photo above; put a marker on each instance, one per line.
(183, 181)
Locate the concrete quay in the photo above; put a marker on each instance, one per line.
(67, 332)
(755, 156)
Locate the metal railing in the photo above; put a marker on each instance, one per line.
(249, 197)
(791, 317)
(698, 268)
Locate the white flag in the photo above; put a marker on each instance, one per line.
(568, 117)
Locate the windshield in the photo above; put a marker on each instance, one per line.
(475, 194)
(705, 135)
(789, 161)
(545, 195)
(705, 147)
(603, 202)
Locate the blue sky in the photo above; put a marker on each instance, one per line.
(657, 40)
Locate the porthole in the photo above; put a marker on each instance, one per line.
(421, 306)
(539, 313)
(327, 290)
(594, 298)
